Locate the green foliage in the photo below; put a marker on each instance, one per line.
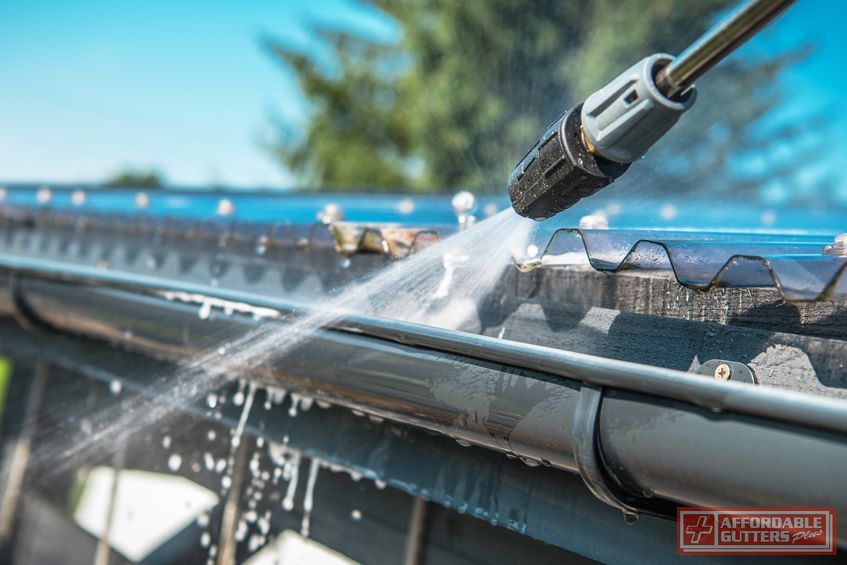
(131, 178)
(471, 85)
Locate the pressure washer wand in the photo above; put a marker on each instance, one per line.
(594, 143)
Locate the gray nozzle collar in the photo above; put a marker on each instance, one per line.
(622, 120)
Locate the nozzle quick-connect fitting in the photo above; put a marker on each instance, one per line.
(622, 120)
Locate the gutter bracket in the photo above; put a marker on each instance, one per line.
(587, 453)
(21, 311)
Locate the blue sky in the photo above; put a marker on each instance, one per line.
(88, 88)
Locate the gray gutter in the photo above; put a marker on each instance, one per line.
(643, 438)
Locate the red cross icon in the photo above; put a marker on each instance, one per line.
(699, 529)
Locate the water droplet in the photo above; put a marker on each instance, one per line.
(256, 541)
(226, 482)
(241, 531)
(166, 442)
(115, 387)
(212, 400)
(356, 514)
(174, 462)
(262, 245)
(211, 435)
(205, 539)
(205, 311)
(203, 520)
(344, 263)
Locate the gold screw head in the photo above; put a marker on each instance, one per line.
(723, 372)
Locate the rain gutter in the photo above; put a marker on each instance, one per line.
(644, 439)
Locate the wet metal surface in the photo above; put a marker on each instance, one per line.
(799, 262)
(795, 264)
(521, 399)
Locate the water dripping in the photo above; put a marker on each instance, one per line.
(309, 500)
(299, 401)
(245, 413)
(262, 245)
(256, 541)
(273, 396)
(292, 470)
(264, 524)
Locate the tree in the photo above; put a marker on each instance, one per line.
(471, 85)
(131, 178)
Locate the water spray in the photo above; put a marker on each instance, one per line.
(592, 144)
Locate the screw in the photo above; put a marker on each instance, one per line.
(142, 200)
(597, 221)
(723, 372)
(330, 213)
(838, 246)
(463, 204)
